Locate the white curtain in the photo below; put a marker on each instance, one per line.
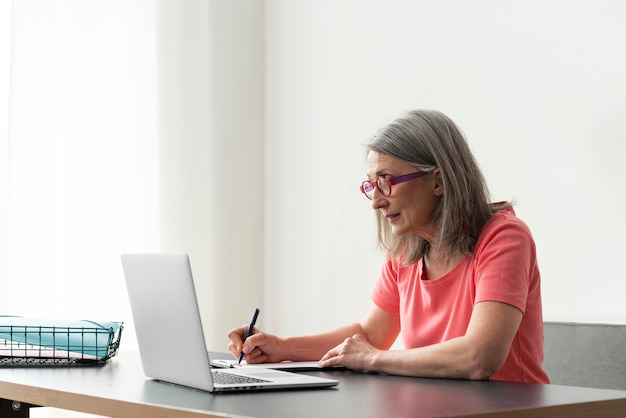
(79, 153)
(5, 48)
(131, 126)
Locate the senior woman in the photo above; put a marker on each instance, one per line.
(460, 282)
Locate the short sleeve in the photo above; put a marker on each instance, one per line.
(505, 260)
(385, 293)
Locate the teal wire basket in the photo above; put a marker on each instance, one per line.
(35, 342)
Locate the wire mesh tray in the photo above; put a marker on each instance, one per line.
(57, 343)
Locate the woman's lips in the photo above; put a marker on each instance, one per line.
(392, 218)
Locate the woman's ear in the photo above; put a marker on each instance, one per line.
(437, 182)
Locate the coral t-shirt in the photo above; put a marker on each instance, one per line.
(502, 268)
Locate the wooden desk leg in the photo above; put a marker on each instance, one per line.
(14, 409)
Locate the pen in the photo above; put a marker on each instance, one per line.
(249, 331)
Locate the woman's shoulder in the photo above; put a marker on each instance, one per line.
(505, 220)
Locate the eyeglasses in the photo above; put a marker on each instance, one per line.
(384, 183)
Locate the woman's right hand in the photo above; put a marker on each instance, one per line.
(258, 348)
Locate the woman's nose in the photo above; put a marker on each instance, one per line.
(378, 200)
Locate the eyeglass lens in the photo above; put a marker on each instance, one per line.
(369, 187)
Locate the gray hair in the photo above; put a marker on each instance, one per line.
(427, 140)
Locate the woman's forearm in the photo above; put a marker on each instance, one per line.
(313, 347)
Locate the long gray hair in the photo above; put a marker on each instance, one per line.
(427, 140)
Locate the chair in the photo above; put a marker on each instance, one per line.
(590, 355)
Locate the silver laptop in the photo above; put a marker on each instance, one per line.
(170, 336)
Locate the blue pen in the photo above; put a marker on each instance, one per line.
(250, 330)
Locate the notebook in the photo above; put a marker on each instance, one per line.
(170, 334)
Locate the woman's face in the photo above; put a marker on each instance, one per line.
(409, 206)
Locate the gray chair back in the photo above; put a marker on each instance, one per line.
(590, 355)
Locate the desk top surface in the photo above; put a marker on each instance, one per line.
(120, 389)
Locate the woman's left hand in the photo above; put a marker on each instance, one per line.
(354, 353)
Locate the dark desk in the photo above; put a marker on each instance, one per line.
(119, 389)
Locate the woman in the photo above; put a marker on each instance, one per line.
(461, 280)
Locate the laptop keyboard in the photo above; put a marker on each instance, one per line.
(228, 379)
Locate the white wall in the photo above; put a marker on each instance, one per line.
(211, 124)
(537, 86)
